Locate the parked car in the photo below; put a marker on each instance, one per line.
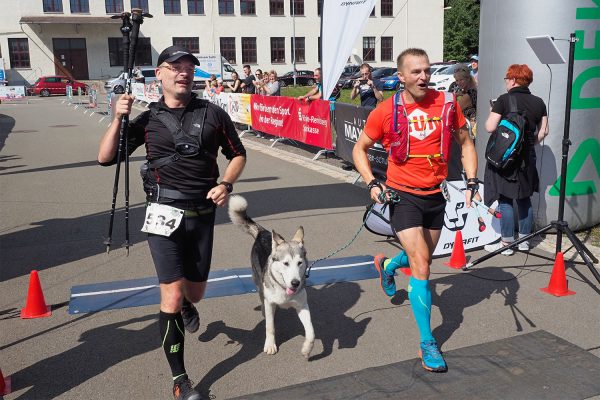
(55, 84)
(303, 77)
(443, 78)
(391, 82)
(376, 73)
(117, 84)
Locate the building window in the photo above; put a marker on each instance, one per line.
(143, 53)
(319, 7)
(141, 4)
(276, 7)
(277, 50)
(18, 52)
(319, 49)
(226, 7)
(53, 6)
(192, 44)
(248, 7)
(387, 48)
(298, 49)
(195, 7)
(113, 6)
(228, 49)
(80, 6)
(249, 50)
(369, 48)
(172, 6)
(387, 8)
(297, 7)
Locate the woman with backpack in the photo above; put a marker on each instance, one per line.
(519, 180)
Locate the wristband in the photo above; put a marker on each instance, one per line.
(374, 183)
(228, 186)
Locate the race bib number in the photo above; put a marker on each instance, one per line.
(162, 219)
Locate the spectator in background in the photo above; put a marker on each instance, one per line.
(219, 87)
(248, 82)
(259, 82)
(370, 93)
(467, 92)
(316, 92)
(272, 87)
(236, 83)
(474, 67)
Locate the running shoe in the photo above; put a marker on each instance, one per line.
(184, 391)
(431, 357)
(191, 319)
(385, 279)
(493, 247)
(524, 246)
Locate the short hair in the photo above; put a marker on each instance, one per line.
(521, 73)
(272, 72)
(413, 51)
(318, 69)
(246, 66)
(462, 71)
(363, 65)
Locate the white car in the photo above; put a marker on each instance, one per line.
(117, 84)
(443, 78)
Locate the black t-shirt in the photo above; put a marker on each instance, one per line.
(534, 108)
(193, 175)
(367, 96)
(249, 84)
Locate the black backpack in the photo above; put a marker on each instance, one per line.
(505, 145)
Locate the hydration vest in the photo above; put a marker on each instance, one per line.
(400, 146)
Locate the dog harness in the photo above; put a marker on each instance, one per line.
(400, 147)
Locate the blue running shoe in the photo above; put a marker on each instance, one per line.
(385, 279)
(431, 357)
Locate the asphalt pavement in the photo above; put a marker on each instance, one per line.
(54, 213)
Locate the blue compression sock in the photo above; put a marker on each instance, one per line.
(400, 261)
(419, 295)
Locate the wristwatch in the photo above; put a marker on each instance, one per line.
(228, 186)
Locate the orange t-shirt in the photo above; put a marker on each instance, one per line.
(425, 139)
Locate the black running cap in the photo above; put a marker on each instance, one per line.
(174, 53)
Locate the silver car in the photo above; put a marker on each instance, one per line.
(117, 85)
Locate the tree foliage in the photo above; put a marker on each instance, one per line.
(461, 29)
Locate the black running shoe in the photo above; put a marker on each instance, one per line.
(184, 391)
(191, 320)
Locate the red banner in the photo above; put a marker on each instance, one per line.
(290, 118)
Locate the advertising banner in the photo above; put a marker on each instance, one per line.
(238, 108)
(152, 91)
(137, 91)
(457, 217)
(341, 23)
(349, 123)
(287, 117)
(502, 40)
(8, 93)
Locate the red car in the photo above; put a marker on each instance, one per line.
(55, 84)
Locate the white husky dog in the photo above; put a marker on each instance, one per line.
(278, 270)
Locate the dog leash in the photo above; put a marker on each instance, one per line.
(386, 197)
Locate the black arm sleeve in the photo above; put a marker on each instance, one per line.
(135, 136)
(229, 141)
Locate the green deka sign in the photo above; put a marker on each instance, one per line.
(588, 148)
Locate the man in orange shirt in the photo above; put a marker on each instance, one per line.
(415, 127)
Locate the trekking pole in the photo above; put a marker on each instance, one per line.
(125, 31)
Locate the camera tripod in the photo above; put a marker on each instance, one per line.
(560, 225)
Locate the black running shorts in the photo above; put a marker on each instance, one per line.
(187, 252)
(414, 210)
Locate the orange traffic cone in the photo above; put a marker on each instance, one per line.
(35, 307)
(558, 281)
(458, 258)
(4, 384)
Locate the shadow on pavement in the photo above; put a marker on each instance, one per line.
(100, 349)
(328, 306)
(64, 166)
(46, 244)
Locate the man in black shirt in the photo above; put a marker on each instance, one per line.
(370, 92)
(248, 82)
(182, 135)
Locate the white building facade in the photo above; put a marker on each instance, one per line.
(79, 38)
